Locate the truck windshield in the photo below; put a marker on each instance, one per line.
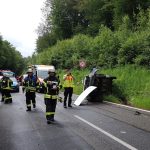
(42, 74)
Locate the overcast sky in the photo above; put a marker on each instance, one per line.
(18, 21)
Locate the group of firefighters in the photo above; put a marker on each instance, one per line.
(52, 86)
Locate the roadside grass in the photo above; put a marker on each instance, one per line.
(132, 84)
(141, 102)
(131, 87)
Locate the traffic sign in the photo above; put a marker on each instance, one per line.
(82, 64)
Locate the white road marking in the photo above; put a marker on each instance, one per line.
(107, 134)
(125, 106)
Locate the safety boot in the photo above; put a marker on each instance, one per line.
(49, 122)
(34, 106)
(28, 109)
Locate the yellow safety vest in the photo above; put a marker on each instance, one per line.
(69, 82)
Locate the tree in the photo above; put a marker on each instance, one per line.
(10, 58)
(45, 41)
(128, 7)
(96, 12)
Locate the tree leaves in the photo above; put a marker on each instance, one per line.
(10, 58)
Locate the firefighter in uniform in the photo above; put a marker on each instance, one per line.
(29, 85)
(68, 88)
(51, 84)
(6, 83)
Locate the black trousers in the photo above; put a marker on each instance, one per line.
(2, 92)
(7, 96)
(50, 108)
(30, 96)
(68, 92)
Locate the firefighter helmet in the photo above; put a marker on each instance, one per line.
(29, 70)
(51, 70)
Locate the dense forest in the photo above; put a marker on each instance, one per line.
(102, 32)
(10, 58)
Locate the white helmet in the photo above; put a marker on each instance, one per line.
(29, 70)
(51, 70)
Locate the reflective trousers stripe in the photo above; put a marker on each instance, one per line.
(8, 88)
(30, 88)
(50, 113)
(51, 96)
(6, 98)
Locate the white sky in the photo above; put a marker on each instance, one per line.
(18, 21)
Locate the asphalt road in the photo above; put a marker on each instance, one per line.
(87, 127)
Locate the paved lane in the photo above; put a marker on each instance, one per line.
(86, 127)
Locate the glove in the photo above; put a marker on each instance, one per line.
(60, 99)
(49, 82)
(60, 86)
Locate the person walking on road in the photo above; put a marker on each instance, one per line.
(51, 84)
(6, 83)
(68, 88)
(29, 85)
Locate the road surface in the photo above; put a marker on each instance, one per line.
(87, 127)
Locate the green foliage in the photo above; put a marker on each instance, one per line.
(129, 8)
(105, 48)
(45, 41)
(10, 58)
(63, 19)
(132, 85)
(109, 48)
(96, 13)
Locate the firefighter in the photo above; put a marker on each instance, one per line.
(68, 88)
(6, 83)
(51, 89)
(29, 85)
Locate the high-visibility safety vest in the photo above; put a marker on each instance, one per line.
(69, 81)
